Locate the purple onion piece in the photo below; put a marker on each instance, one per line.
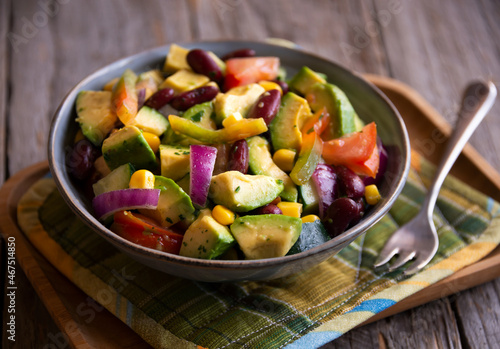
(124, 199)
(141, 97)
(202, 162)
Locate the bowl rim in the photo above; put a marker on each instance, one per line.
(344, 238)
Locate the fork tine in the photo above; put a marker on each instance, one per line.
(401, 260)
(386, 255)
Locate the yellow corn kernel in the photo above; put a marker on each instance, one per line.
(79, 136)
(270, 85)
(232, 119)
(110, 84)
(292, 209)
(310, 218)
(153, 141)
(372, 195)
(223, 215)
(284, 159)
(142, 179)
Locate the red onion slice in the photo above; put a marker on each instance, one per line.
(124, 199)
(202, 162)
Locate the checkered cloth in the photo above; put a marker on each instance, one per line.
(304, 310)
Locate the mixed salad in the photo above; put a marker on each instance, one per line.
(225, 157)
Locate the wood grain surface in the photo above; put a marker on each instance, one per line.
(435, 47)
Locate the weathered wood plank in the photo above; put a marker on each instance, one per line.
(439, 48)
(4, 76)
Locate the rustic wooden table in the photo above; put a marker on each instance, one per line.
(436, 48)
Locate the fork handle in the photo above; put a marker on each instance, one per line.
(477, 100)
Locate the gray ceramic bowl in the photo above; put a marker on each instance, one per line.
(369, 102)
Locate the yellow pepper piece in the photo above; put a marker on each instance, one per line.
(292, 209)
(310, 218)
(284, 159)
(372, 194)
(153, 141)
(223, 215)
(270, 85)
(110, 84)
(79, 136)
(232, 119)
(142, 179)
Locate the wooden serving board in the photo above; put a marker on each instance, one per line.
(64, 301)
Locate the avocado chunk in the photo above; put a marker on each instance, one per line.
(313, 234)
(344, 119)
(184, 80)
(128, 145)
(206, 238)
(118, 179)
(176, 59)
(267, 235)
(174, 161)
(238, 99)
(309, 197)
(242, 193)
(304, 80)
(286, 126)
(95, 114)
(150, 120)
(260, 162)
(174, 205)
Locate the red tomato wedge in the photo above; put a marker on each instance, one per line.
(369, 167)
(354, 150)
(144, 231)
(244, 71)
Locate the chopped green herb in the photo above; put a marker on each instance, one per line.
(181, 217)
(237, 189)
(169, 220)
(185, 244)
(197, 117)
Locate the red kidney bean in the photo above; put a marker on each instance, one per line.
(201, 62)
(160, 98)
(81, 159)
(341, 213)
(238, 157)
(350, 184)
(269, 209)
(283, 85)
(186, 100)
(241, 53)
(266, 107)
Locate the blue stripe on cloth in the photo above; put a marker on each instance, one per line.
(314, 340)
(374, 305)
(489, 205)
(129, 313)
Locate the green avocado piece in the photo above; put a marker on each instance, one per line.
(260, 162)
(267, 235)
(174, 161)
(242, 193)
(95, 114)
(313, 234)
(286, 126)
(174, 205)
(206, 238)
(304, 80)
(309, 197)
(128, 145)
(150, 120)
(238, 99)
(344, 119)
(118, 179)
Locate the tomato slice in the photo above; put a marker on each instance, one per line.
(369, 167)
(353, 150)
(144, 231)
(244, 71)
